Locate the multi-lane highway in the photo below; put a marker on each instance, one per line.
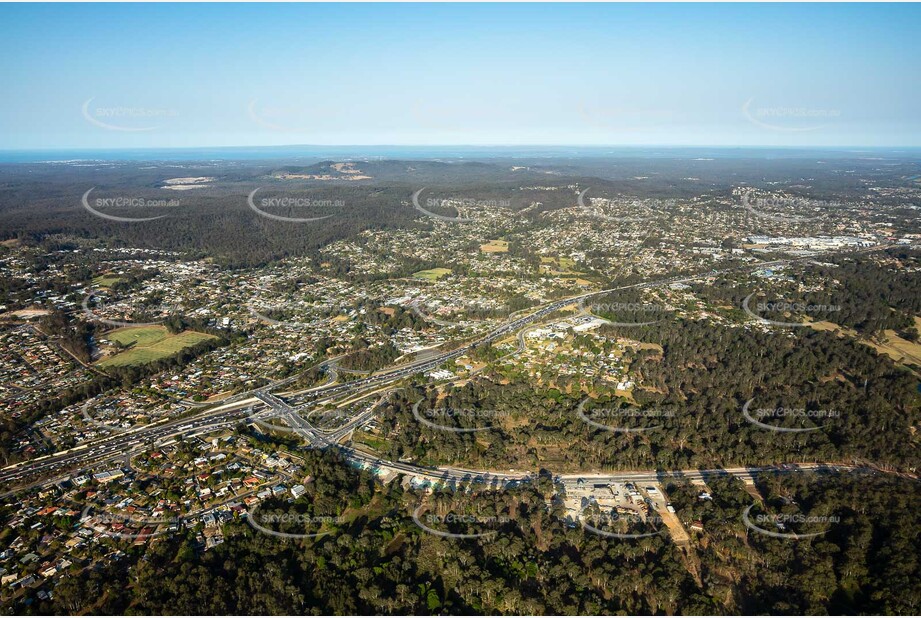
(652, 476)
(118, 445)
(234, 409)
(510, 327)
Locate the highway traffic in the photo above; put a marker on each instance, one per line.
(234, 409)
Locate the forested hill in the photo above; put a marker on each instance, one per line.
(380, 562)
(215, 220)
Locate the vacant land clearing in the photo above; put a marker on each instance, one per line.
(495, 246)
(149, 344)
(105, 281)
(558, 266)
(888, 342)
(26, 314)
(898, 349)
(432, 274)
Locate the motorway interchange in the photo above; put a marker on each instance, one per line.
(50, 469)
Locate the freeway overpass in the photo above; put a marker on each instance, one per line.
(232, 410)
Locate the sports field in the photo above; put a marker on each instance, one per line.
(105, 281)
(148, 344)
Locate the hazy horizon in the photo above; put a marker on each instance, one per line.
(441, 151)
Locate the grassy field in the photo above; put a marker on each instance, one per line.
(495, 246)
(104, 281)
(377, 444)
(888, 342)
(898, 349)
(558, 266)
(433, 274)
(149, 343)
(139, 336)
(825, 325)
(562, 262)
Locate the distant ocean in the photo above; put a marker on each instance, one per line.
(254, 153)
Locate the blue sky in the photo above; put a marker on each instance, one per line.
(135, 76)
